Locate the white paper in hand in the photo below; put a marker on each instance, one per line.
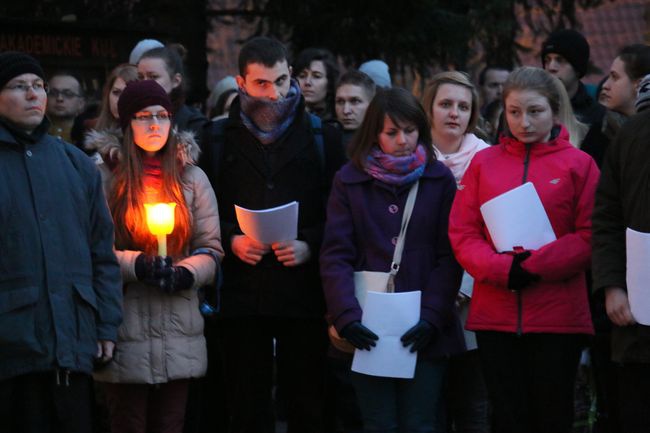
(517, 219)
(389, 315)
(269, 225)
(638, 274)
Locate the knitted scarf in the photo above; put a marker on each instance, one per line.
(266, 119)
(396, 170)
(152, 178)
(459, 161)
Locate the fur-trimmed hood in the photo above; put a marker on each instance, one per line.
(108, 144)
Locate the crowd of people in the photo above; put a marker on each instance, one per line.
(213, 329)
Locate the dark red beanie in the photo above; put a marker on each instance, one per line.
(138, 95)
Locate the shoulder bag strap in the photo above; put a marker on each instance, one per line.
(399, 246)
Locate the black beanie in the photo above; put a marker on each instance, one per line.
(14, 63)
(138, 95)
(571, 45)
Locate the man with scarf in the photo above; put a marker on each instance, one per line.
(60, 284)
(266, 154)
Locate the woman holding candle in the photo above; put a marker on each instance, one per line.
(160, 344)
(390, 153)
(529, 307)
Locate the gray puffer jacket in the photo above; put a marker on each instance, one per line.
(161, 338)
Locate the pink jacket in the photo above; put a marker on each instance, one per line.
(565, 179)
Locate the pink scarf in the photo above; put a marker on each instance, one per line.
(459, 161)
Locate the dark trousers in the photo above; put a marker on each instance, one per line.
(46, 402)
(207, 410)
(247, 356)
(342, 407)
(465, 395)
(634, 397)
(390, 405)
(141, 408)
(530, 379)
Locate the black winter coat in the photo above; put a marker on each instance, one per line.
(622, 200)
(247, 173)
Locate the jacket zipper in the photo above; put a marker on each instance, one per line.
(519, 298)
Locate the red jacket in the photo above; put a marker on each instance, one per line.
(565, 179)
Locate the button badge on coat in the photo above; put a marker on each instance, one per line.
(393, 208)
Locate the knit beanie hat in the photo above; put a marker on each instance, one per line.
(14, 63)
(142, 47)
(223, 85)
(378, 71)
(571, 45)
(643, 95)
(138, 95)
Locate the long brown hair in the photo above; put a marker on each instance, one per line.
(127, 198)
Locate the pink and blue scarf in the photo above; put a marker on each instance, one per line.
(396, 170)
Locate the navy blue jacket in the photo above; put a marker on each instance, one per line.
(60, 284)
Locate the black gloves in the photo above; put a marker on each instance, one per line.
(359, 336)
(149, 267)
(518, 277)
(419, 335)
(158, 271)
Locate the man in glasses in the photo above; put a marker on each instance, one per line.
(60, 285)
(65, 102)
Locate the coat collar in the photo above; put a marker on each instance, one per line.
(559, 142)
(109, 145)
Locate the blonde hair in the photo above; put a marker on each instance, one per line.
(540, 81)
(459, 79)
(576, 129)
(126, 72)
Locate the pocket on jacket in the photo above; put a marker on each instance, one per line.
(86, 305)
(18, 320)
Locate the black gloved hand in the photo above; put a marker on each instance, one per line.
(148, 268)
(518, 277)
(174, 279)
(419, 336)
(359, 336)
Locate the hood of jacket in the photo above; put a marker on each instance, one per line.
(109, 146)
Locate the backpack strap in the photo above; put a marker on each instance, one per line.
(317, 130)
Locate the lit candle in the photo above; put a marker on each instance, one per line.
(160, 220)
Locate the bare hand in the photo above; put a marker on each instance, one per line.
(462, 299)
(105, 350)
(292, 253)
(248, 250)
(618, 307)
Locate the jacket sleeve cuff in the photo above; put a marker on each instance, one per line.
(107, 332)
(346, 318)
(126, 258)
(202, 267)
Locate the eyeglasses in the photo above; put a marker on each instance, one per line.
(36, 86)
(146, 117)
(66, 94)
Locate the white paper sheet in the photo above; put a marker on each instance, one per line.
(269, 225)
(638, 274)
(517, 219)
(389, 315)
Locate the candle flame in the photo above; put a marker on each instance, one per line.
(160, 218)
